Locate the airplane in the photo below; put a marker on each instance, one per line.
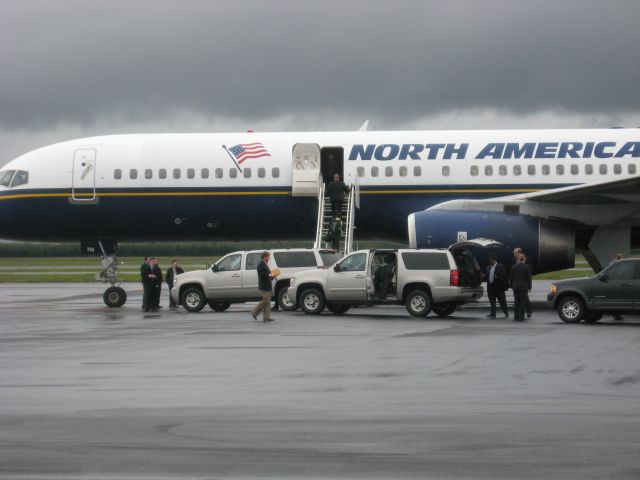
(550, 192)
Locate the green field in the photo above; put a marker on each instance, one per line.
(84, 269)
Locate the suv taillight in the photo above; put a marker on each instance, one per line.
(453, 278)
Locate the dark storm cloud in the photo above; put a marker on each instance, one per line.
(78, 61)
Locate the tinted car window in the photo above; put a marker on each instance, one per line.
(230, 263)
(354, 263)
(469, 274)
(621, 271)
(253, 259)
(294, 259)
(329, 258)
(425, 260)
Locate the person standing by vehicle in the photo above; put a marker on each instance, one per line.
(335, 191)
(144, 271)
(497, 282)
(520, 282)
(264, 285)
(516, 255)
(173, 270)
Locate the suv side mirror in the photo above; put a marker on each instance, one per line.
(336, 267)
(215, 267)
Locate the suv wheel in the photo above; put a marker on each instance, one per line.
(571, 309)
(338, 309)
(312, 301)
(285, 302)
(219, 306)
(193, 299)
(418, 303)
(444, 309)
(592, 317)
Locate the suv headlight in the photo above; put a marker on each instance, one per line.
(553, 288)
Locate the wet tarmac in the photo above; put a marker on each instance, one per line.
(92, 392)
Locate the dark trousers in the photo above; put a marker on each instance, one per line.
(496, 292)
(172, 304)
(154, 296)
(336, 208)
(146, 291)
(520, 300)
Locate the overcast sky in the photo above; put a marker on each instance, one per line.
(76, 68)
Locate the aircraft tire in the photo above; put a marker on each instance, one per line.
(114, 297)
(418, 303)
(219, 306)
(193, 299)
(285, 302)
(444, 309)
(571, 309)
(312, 301)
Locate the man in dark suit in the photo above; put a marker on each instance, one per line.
(335, 191)
(520, 282)
(516, 255)
(497, 282)
(152, 283)
(143, 272)
(173, 270)
(264, 285)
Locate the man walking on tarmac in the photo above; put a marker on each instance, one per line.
(264, 285)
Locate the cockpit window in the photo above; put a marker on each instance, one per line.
(21, 178)
(5, 177)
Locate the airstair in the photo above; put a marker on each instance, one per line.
(325, 218)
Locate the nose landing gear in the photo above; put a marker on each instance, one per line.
(115, 295)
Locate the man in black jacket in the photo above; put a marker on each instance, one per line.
(520, 282)
(497, 282)
(264, 285)
(516, 256)
(173, 270)
(143, 273)
(335, 191)
(152, 283)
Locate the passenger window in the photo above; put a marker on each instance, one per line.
(546, 170)
(502, 170)
(574, 169)
(417, 171)
(603, 169)
(117, 174)
(133, 174)
(559, 169)
(148, 173)
(531, 169)
(230, 263)
(162, 173)
(275, 172)
(233, 173)
(204, 173)
(21, 178)
(632, 168)
(517, 170)
(261, 173)
(388, 171)
(246, 173)
(425, 261)
(253, 260)
(617, 169)
(354, 263)
(191, 173)
(219, 173)
(446, 170)
(403, 171)
(360, 172)
(294, 259)
(620, 271)
(176, 173)
(588, 169)
(474, 170)
(488, 170)
(374, 171)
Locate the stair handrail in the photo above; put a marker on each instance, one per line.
(348, 242)
(320, 220)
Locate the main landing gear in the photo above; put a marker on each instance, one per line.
(114, 296)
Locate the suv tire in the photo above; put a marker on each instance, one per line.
(312, 301)
(418, 303)
(284, 301)
(444, 309)
(193, 299)
(338, 309)
(592, 317)
(571, 309)
(219, 306)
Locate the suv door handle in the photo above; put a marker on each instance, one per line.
(235, 275)
(360, 276)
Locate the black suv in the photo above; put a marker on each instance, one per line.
(614, 290)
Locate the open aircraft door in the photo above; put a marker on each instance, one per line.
(305, 171)
(83, 181)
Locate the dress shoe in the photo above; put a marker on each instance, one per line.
(491, 316)
(254, 317)
(269, 320)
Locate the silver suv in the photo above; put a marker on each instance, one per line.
(233, 278)
(422, 280)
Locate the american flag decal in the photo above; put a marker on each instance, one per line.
(244, 151)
